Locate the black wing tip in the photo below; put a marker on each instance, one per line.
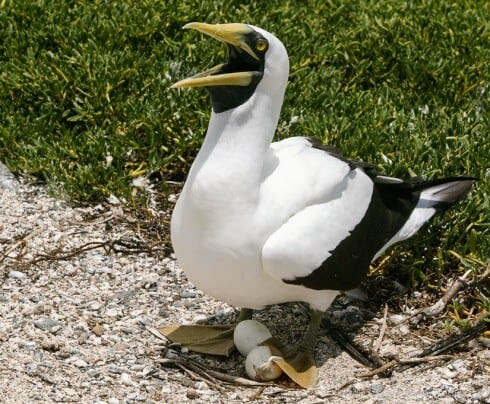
(419, 184)
(369, 168)
(422, 183)
(392, 184)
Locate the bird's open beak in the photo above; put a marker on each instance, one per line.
(232, 34)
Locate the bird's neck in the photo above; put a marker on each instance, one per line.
(236, 144)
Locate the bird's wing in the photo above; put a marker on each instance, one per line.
(320, 231)
(337, 226)
(312, 200)
(296, 175)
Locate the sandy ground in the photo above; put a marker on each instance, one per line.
(76, 329)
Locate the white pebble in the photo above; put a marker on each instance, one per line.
(126, 379)
(17, 275)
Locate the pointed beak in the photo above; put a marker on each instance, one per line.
(232, 34)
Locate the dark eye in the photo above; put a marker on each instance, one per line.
(261, 45)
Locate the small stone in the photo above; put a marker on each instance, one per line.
(448, 373)
(31, 368)
(192, 394)
(388, 349)
(131, 397)
(150, 281)
(147, 370)
(113, 200)
(397, 318)
(98, 329)
(188, 294)
(17, 275)
(46, 378)
(482, 396)
(126, 380)
(34, 299)
(80, 363)
(50, 344)
(93, 373)
(114, 369)
(112, 313)
(484, 341)
(338, 314)
(377, 388)
(171, 354)
(7, 179)
(201, 386)
(459, 365)
(105, 393)
(353, 315)
(95, 306)
(358, 387)
(172, 198)
(71, 270)
(404, 329)
(124, 295)
(83, 338)
(70, 392)
(63, 354)
(29, 345)
(41, 309)
(47, 324)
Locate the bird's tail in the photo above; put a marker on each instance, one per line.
(432, 197)
(442, 193)
(435, 196)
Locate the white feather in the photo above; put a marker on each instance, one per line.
(300, 245)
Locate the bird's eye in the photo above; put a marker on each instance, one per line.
(261, 45)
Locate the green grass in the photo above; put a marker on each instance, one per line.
(405, 85)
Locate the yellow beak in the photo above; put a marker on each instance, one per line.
(233, 34)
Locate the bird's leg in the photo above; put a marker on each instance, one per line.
(245, 314)
(310, 337)
(298, 362)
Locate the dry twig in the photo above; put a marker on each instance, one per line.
(457, 339)
(452, 291)
(433, 353)
(207, 373)
(117, 246)
(20, 242)
(378, 342)
(403, 361)
(379, 370)
(369, 359)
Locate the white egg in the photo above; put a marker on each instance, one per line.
(259, 365)
(249, 334)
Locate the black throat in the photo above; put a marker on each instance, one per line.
(224, 98)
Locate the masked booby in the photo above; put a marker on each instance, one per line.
(261, 222)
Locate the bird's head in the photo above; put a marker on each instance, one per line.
(258, 62)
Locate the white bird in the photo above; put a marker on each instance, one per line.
(260, 223)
